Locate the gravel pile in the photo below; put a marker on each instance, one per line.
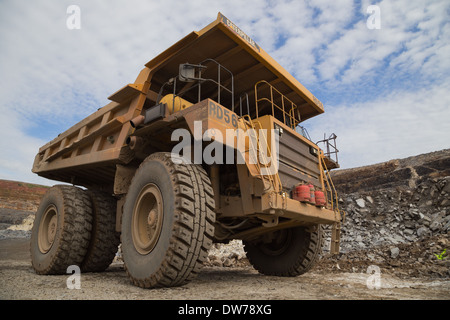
(231, 254)
(425, 258)
(396, 216)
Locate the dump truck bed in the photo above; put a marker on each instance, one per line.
(87, 154)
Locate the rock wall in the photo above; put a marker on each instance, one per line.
(400, 201)
(404, 173)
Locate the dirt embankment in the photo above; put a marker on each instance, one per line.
(20, 196)
(18, 203)
(405, 173)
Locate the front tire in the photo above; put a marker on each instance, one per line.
(167, 222)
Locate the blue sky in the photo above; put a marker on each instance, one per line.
(385, 91)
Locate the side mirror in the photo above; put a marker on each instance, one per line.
(190, 72)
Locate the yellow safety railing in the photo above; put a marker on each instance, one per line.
(289, 110)
(332, 199)
(332, 195)
(329, 185)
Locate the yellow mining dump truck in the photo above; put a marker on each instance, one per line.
(205, 146)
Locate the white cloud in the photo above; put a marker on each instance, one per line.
(308, 29)
(399, 125)
(416, 31)
(18, 150)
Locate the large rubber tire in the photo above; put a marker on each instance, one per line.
(167, 222)
(105, 239)
(61, 230)
(290, 252)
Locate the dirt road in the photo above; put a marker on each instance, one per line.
(18, 281)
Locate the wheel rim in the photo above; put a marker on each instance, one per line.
(279, 244)
(47, 229)
(147, 219)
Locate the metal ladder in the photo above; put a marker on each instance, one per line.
(332, 198)
(271, 181)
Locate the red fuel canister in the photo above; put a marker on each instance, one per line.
(302, 193)
(320, 198)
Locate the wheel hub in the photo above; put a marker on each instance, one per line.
(47, 229)
(279, 242)
(147, 219)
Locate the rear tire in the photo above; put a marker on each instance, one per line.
(287, 252)
(167, 222)
(105, 239)
(61, 231)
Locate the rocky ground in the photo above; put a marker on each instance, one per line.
(397, 226)
(398, 214)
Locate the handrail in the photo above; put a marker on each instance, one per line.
(294, 119)
(218, 82)
(330, 185)
(332, 198)
(331, 148)
(199, 81)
